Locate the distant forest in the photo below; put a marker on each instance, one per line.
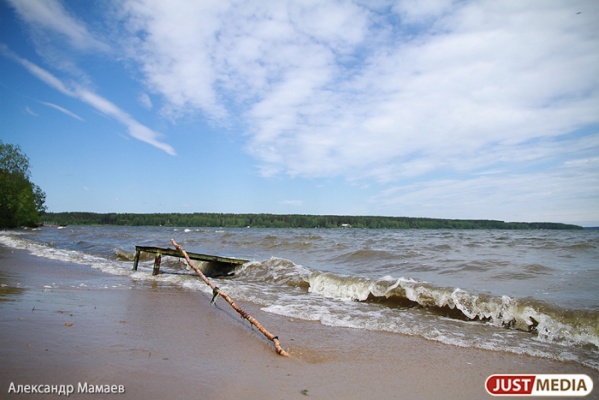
(286, 221)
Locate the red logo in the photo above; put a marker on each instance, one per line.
(539, 385)
(504, 385)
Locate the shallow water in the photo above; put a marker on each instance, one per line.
(527, 292)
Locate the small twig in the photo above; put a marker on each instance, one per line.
(217, 292)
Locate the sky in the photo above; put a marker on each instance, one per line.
(445, 109)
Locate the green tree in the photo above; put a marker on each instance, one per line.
(21, 201)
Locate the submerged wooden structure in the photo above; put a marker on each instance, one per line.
(217, 265)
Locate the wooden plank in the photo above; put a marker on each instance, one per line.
(136, 260)
(193, 256)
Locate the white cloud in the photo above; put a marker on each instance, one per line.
(29, 111)
(35, 70)
(294, 203)
(46, 16)
(338, 89)
(50, 17)
(416, 12)
(565, 192)
(62, 110)
(136, 129)
(174, 44)
(145, 100)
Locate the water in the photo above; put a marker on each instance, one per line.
(525, 292)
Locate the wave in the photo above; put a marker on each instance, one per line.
(275, 271)
(581, 246)
(365, 255)
(548, 322)
(123, 255)
(66, 255)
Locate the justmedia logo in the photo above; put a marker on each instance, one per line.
(539, 385)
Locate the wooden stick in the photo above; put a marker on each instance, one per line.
(217, 292)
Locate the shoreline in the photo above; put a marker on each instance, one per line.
(64, 324)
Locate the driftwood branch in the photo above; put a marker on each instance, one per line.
(217, 292)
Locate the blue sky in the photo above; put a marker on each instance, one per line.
(440, 108)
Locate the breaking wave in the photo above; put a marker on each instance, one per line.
(548, 322)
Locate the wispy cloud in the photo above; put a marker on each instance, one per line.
(135, 128)
(49, 16)
(62, 110)
(343, 89)
(563, 194)
(29, 111)
(294, 203)
(145, 100)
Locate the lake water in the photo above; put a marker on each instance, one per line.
(526, 292)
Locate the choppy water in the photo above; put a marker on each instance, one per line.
(526, 292)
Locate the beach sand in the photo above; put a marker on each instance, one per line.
(68, 324)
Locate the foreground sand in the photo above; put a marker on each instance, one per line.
(65, 324)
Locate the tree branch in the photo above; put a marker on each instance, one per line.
(217, 292)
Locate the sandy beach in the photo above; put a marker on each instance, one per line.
(68, 324)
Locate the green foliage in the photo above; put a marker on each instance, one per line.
(21, 201)
(286, 221)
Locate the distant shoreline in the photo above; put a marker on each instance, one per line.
(229, 220)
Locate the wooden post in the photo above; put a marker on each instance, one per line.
(136, 260)
(217, 292)
(157, 260)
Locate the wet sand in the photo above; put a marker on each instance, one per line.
(68, 324)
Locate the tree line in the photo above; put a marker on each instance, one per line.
(285, 221)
